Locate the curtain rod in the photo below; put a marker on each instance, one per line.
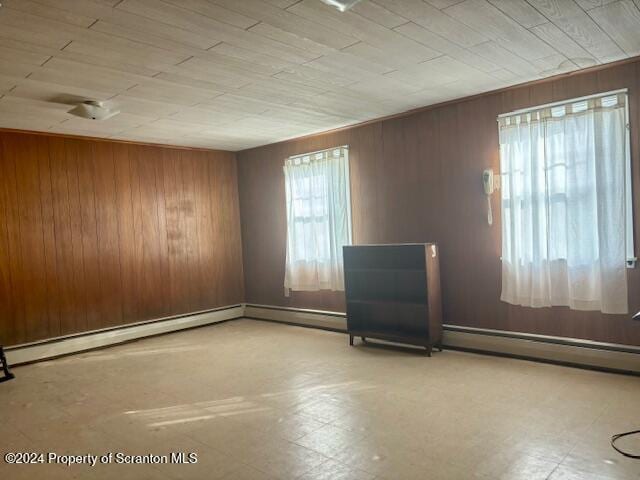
(563, 102)
(318, 151)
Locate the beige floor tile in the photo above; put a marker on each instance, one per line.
(333, 470)
(211, 464)
(283, 459)
(567, 473)
(597, 457)
(257, 400)
(245, 472)
(280, 423)
(30, 472)
(330, 440)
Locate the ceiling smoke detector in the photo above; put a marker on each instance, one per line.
(342, 5)
(93, 110)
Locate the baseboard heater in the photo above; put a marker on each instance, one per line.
(56, 347)
(560, 350)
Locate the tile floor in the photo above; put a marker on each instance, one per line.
(260, 400)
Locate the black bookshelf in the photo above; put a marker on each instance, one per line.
(393, 293)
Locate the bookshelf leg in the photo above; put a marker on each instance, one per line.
(351, 340)
(5, 368)
(428, 350)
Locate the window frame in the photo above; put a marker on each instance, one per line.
(631, 258)
(345, 149)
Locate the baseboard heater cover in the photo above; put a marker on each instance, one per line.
(568, 351)
(335, 321)
(55, 347)
(577, 352)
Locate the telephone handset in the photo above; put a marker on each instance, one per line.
(487, 181)
(488, 184)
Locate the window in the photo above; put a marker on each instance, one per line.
(567, 225)
(318, 219)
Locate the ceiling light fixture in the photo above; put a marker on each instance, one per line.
(342, 5)
(93, 110)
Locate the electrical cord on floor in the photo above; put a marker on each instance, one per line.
(620, 435)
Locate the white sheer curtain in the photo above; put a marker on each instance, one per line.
(563, 206)
(318, 219)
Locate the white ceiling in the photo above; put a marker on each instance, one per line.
(233, 74)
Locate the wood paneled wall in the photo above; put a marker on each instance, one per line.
(418, 179)
(97, 234)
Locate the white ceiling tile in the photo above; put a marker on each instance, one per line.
(211, 10)
(281, 3)
(554, 65)
(29, 105)
(172, 126)
(34, 122)
(382, 88)
(91, 9)
(27, 47)
(143, 108)
(163, 91)
(621, 20)
(25, 109)
(313, 49)
(169, 14)
(313, 77)
(435, 21)
(45, 11)
(123, 50)
(289, 22)
(134, 24)
(442, 3)
(378, 14)
(143, 36)
(504, 74)
(505, 58)
(18, 70)
(234, 103)
(7, 83)
(572, 20)
(83, 75)
(206, 117)
(65, 83)
(589, 4)
(342, 103)
(248, 59)
(119, 123)
(564, 44)
(462, 88)
(144, 135)
(210, 87)
(28, 28)
(497, 26)
(277, 91)
(211, 28)
(444, 46)
(397, 59)
(224, 74)
(238, 74)
(439, 71)
(56, 93)
(362, 29)
(106, 62)
(348, 65)
(520, 11)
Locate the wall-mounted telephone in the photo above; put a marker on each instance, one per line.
(489, 182)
